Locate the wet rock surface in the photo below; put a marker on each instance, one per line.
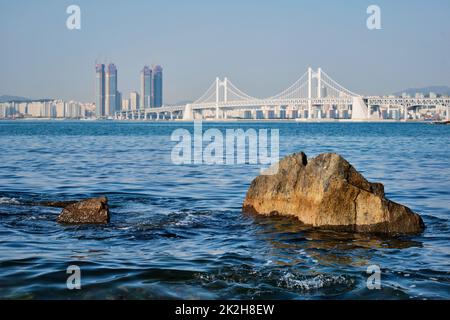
(56, 204)
(90, 211)
(328, 192)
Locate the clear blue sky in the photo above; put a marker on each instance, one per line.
(262, 46)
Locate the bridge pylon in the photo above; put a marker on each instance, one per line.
(221, 83)
(360, 110)
(309, 93)
(188, 113)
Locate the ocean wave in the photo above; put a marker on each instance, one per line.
(292, 281)
(304, 283)
(190, 219)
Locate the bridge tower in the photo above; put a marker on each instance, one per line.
(319, 83)
(219, 84)
(217, 97)
(311, 75)
(309, 93)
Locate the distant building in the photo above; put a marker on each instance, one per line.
(73, 110)
(157, 86)
(61, 109)
(21, 107)
(405, 95)
(118, 102)
(47, 109)
(146, 88)
(34, 109)
(125, 104)
(111, 90)
(7, 110)
(433, 95)
(87, 109)
(134, 100)
(99, 90)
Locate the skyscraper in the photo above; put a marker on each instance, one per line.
(118, 101)
(100, 90)
(157, 86)
(111, 90)
(146, 88)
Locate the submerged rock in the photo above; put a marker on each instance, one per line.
(328, 192)
(90, 211)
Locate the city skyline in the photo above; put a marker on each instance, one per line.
(314, 96)
(209, 40)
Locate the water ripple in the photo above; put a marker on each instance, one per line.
(178, 232)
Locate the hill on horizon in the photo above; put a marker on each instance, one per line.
(8, 98)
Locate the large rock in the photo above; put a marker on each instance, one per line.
(328, 192)
(90, 211)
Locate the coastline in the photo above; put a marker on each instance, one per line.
(231, 120)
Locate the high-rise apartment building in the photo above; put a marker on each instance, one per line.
(157, 86)
(118, 101)
(146, 88)
(134, 100)
(125, 104)
(61, 109)
(111, 95)
(100, 90)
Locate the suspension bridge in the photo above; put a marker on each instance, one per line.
(315, 95)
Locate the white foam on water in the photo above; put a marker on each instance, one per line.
(292, 281)
(6, 200)
(191, 219)
(188, 220)
(123, 228)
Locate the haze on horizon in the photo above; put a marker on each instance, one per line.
(263, 47)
